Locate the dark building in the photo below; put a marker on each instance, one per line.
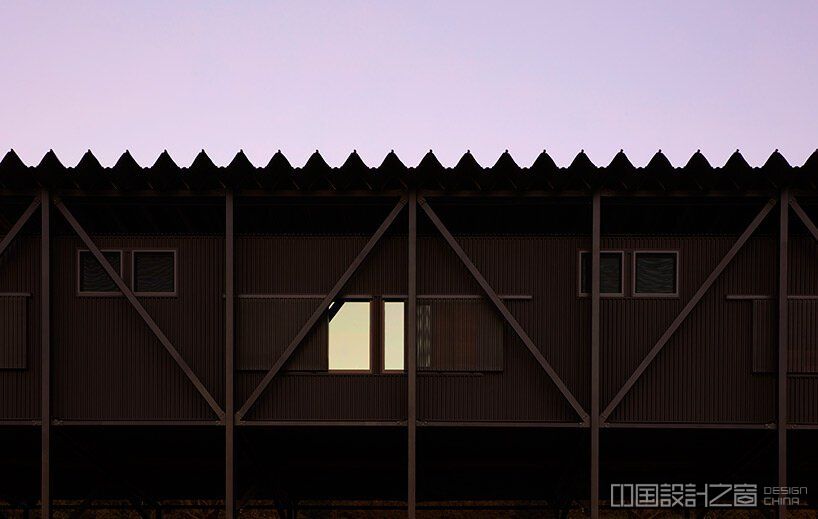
(504, 338)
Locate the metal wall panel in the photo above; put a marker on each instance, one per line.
(13, 328)
(108, 366)
(19, 273)
(264, 328)
(107, 363)
(704, 373)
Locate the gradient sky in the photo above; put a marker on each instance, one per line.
(409, 76)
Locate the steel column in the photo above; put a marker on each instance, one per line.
(45, 354)
(595, 291)
(229, 353)
(783, 328)
(411, 355)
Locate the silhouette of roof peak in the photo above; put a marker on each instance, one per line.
(620, 161)
(659, 161)
(429, 161)
(698, 161)
(164, 160)
(50, 160)
(279, 161)
(202, 160)
(581, 161)
(12, 160)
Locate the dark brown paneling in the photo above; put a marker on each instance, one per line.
(13, 328)
(705, 373)
(19, 273)
(464, 335)
(764, 332)
(107, 363)
(544, 268)
(108, 366)
(265, 328)
(803, 336)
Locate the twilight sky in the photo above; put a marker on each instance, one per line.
(409, 76)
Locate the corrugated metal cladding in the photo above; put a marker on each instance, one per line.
(108, 365)
(13, 324)
(19, 273)
(706, 371)
(265, 327)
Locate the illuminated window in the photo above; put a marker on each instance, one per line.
(349, 336)
(393, 335)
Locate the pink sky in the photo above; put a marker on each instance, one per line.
(409, 76)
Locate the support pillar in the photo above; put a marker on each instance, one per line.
(229, 352)
(411, 356)
(45, 354)
(783, 329)
(595, 291)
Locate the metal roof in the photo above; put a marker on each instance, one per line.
(354, 175)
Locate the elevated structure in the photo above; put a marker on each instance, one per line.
(403, 337)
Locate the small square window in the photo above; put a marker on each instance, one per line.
(610, 273)
(655, 273)
(92, 276)
(349, 336)
(154, 272)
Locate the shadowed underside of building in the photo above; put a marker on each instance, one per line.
(256, 340)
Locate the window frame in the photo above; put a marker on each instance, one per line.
(619, 294)
(655, 295)
(371, 370)
(175, 292)
(93, 293)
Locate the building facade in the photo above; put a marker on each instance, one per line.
(403, 338)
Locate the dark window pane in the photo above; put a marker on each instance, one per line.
(610, 272)
(93, 277)
(154, 272)
(655, 273)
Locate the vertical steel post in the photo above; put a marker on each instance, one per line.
(595, 290)
(411, 355)
(229, 351)
(45, 354)
(783, 329)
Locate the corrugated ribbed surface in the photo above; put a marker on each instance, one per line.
(107, 363)
(265, 327)
(555, 318)
(803, 336)
(19, 273)
(13, 328)
(329, 396)
(704, 373)
(464, 335)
